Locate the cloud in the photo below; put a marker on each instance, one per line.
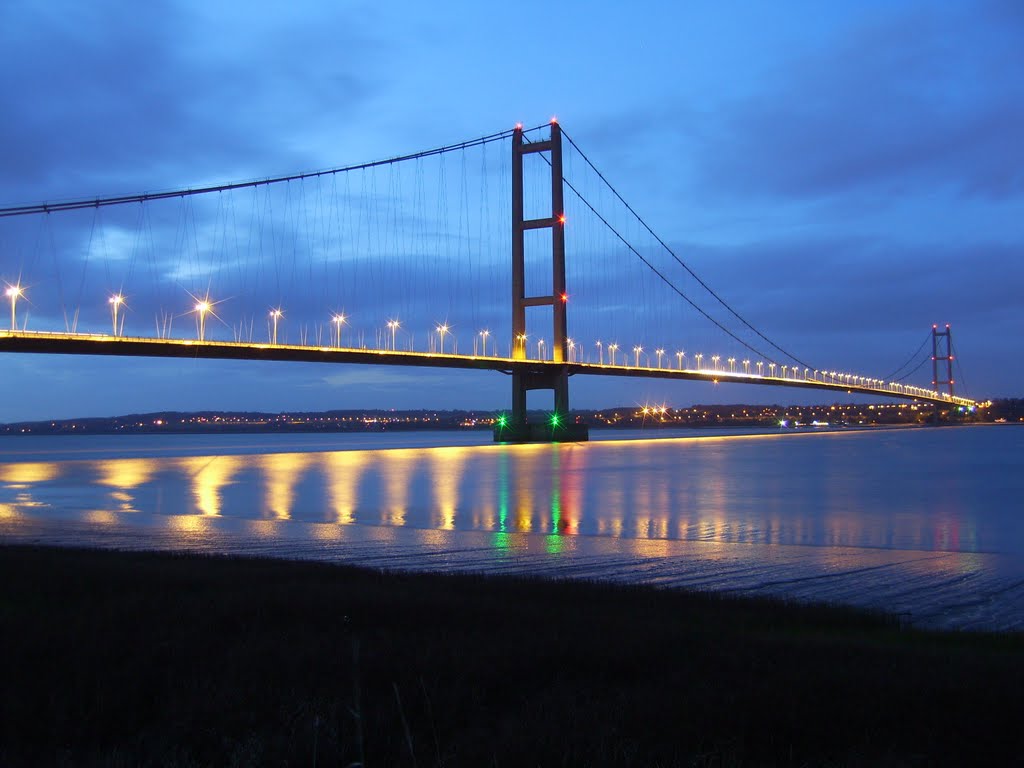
(105, 100)
(909, 102)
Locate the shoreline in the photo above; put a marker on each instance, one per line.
(134, 657)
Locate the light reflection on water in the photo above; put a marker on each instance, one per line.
(948, 490)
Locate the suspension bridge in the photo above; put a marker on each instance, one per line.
(511, 252)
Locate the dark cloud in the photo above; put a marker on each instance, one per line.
(109, 100)
(860, 303)
(914, 101)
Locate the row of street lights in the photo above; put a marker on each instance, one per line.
(204, 307)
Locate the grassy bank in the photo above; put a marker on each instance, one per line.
(135, 659)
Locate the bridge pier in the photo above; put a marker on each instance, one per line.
(524, 377)
(556, 428)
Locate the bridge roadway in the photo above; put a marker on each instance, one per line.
(43, 342)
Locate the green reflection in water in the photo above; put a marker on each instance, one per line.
(554, 542)
(501, 536)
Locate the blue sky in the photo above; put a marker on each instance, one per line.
(845, 174)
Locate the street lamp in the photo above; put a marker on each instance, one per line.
(760, 368)
(201, 309)
(611, 351)
(636, 353)
(698, 357)
(14, 293)
(483, 341)
(394, 325)
(714, 360)
(732, 365)
(572, 349)
(600, 352)
(275, 315)
(442, 331)
(679, 356)
(115, 302)
(338, 320)
(540, 349)
(746, 367)
(784, 370)
(659, 353)
(521, 343)
(771, 367)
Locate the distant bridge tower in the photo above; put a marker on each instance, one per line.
(525, 376)
(947, 358)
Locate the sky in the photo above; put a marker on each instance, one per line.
(844, 174)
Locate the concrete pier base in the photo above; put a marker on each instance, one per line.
(541, 433)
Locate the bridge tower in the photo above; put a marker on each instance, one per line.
(947, 357)
(947, 345)
(540, 375)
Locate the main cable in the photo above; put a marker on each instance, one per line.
(74, 205)
(959, 367)
(667, 282)
(906, 376)
(910, 359)
(680, 261)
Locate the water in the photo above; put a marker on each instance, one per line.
(923, 522)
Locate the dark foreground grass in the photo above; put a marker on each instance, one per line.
(153, 659)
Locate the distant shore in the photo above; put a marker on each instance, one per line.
(370, 421)
(134, 658)
(736, 416)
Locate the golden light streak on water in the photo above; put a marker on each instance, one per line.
(9, 512)
(209, 476)
(101, 516)
(126, 473)
(264, 528)
(612, 506)
(531, 463)
(397, 470)
(482, 509)
(523, 498)
(29, 472)
(326, 531)
(283, 471)
(446, 467)
(189, 523)
(344, 470)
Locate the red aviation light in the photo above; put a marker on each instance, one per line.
(561, 218)
(565, 298)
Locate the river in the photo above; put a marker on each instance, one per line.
(926, 523)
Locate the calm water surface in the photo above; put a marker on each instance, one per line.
(926, 522)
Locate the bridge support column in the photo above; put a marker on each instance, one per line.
(540, 374)
(947, 358)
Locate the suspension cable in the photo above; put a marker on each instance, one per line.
(906, 376)
(960, 376)
(910, 359)
(667, 282)
(680, 261)
(74, 205)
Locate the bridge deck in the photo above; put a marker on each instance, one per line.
(103, 344)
